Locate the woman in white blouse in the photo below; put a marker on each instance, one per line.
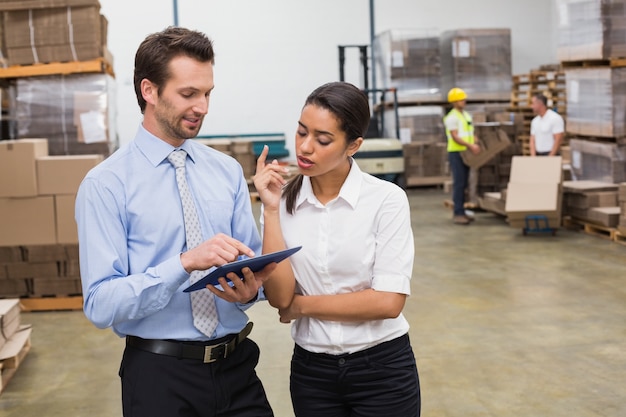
(346, 288)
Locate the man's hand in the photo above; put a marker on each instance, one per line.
(217, 251)
(474, 148)
(242, 290)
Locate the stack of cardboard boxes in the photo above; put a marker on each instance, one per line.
(42, 31)
(39, 240)
(410, 61)
(591, 202)
(53, 95)
(14, 339)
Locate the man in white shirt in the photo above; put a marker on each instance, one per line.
(546, 129)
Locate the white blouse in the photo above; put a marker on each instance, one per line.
(361, 239)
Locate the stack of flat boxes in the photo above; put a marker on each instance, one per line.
(409, 60)
(478, 61)
(43, 31)
(621, 199)
(425, 163)
(592, 32)
(591, 202)
(75, 111)
(14, 339)
(39, 240)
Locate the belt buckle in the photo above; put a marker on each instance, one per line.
(218, 350)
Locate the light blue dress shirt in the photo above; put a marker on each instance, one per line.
(131, 233)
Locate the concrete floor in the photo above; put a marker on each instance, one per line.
(502, 325)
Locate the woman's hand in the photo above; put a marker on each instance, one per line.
(269, 180)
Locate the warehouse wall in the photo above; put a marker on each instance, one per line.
(271, 54)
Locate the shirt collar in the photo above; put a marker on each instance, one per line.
(349, 192)
(157, 150)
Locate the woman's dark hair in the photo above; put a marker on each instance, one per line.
(350, 106)
(158, 49)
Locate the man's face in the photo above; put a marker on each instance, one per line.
(183, 101)
(537, 105)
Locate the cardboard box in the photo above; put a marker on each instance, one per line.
(605, 216)
(527, 199)
(493, 202)
(545, 169)
(27, 221)
(63, 174)
(67, 232)
(491, 139)
(591, 199)
(586, 186)
(598, 161)
(18, 168)
(54, 34)
(534, 191)
(14, 287)
(9, 319)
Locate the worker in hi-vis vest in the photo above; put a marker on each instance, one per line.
(460, 133)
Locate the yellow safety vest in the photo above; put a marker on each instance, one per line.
(467, 132)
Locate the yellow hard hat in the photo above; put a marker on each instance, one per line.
(456, 94)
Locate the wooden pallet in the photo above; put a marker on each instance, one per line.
(98, 65)
(590, 228)
(426, 181)
(17, 347)
(592, 63)
(468, 205)
(619, 238)
(52, 303)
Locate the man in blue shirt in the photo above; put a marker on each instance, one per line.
(134, 256)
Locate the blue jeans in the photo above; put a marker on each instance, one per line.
(460, 175)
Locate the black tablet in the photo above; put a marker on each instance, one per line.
(255, 264)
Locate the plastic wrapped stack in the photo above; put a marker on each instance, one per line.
(591, 29)
(597, 161)
(596, 98)
(417, 124)
(75, 112)
(409, 60)
(478, 61)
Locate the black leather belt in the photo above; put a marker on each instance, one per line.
(191, 350)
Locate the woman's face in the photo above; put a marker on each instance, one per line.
(321, 146)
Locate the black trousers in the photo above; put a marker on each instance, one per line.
(379, 381)
(158, 385)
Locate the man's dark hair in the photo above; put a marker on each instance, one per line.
(158, 49)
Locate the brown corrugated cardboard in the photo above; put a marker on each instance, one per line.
(14, 287)
(587, 186)
(492, 140)
(43, 4)
(18, 171)
(63, 174)
(606, 216)
(32, 269)
(591, 199)
(67, 232)
(44, 253)
(54, 34)
(545, 169)
(528, 199)
(27, 221)
(534, 190)
(9, 319)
